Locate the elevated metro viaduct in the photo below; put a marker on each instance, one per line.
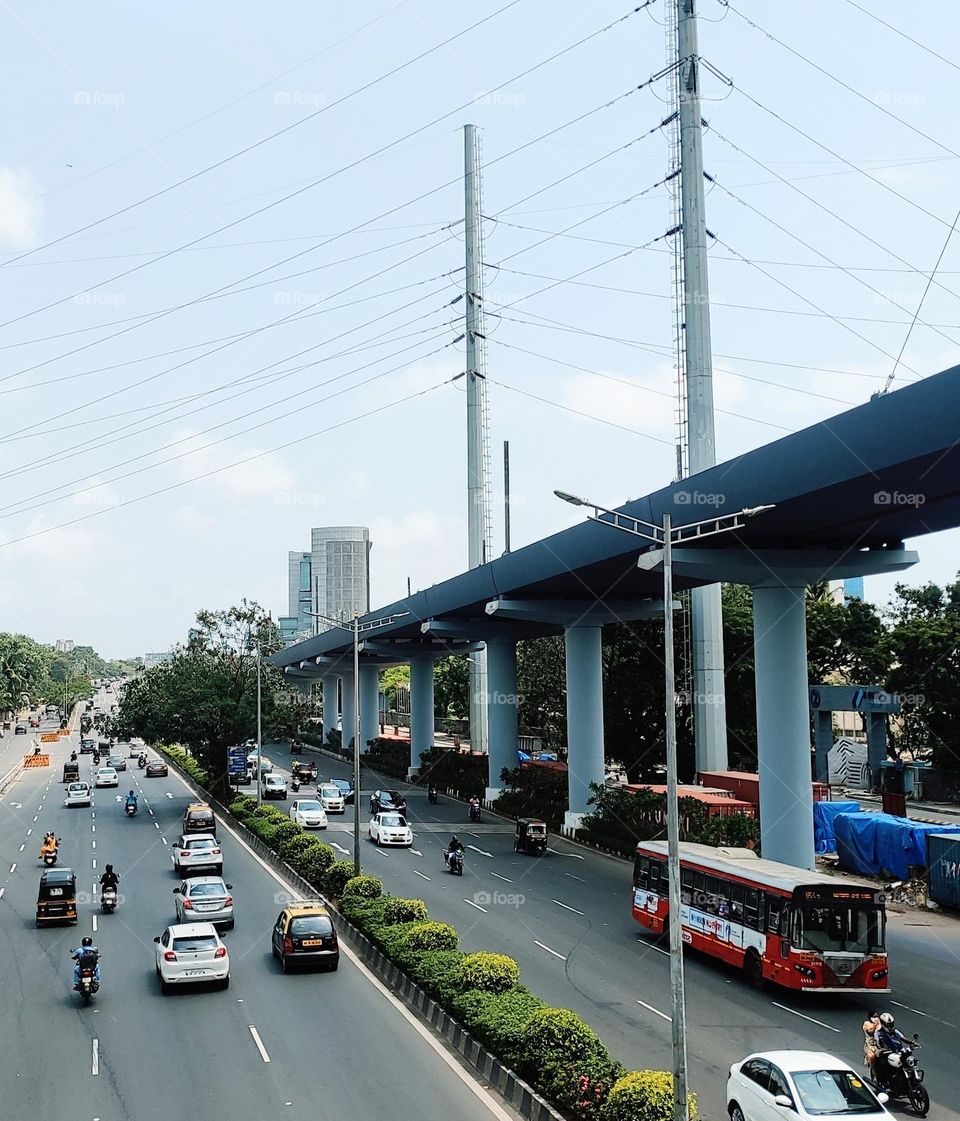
(846, 492)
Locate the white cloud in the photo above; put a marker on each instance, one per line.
(266, 475)
(19, 215)
(627, 405)
(425, 545)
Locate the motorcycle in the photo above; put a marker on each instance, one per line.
(142, 762)
(455, 862)
(432, 796)
(475, 813)
(899, 1076)
(88, 984)
(130, 809)
(49, 852)
(108, 900)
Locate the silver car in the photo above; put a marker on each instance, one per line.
(205, 899)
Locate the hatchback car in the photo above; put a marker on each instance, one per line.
(331, 798)
(780, 1085)
(390, 829)
(20, 730)
(118, 762)
(191, 954)
(205, 899)
(266, 766)
(387, 800)
(198, 817)
(303, 933)
(78, 794)
(132, 750)
(86, 747)
(274, 786)
(106, 776)
(156, 768)
(196, 851)
(346, 789)
(309, 813)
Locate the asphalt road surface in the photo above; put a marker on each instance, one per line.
(566, 919)
(297, 1046)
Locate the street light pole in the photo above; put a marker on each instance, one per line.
(259, 725)
(664, 535)
(356, 743)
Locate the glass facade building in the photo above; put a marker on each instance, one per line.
(332, 579)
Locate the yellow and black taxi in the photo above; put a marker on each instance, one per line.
(303, 935)
(57, 897)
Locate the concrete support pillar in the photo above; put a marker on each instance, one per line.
(823, 741)
(783, 724)
(347, 708)
(876, 747)
(330, 705)
(369, 704)
(584, 718)
(421, 709)
(502, 718)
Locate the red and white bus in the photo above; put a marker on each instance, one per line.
(799, 929)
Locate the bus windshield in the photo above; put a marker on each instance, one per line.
(838, 929)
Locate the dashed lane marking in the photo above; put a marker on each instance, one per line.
(549, 951)
(794, 1012)
(259, 1042)
(471, 903)
(655, 1011)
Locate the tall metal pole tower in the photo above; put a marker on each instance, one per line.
(478, 467)
(709, 710)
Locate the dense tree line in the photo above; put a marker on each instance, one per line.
(33, 673)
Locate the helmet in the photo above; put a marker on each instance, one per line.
(887, 1020)
(894, 1058)
(86, 941)
(131, 794)
(109, 868)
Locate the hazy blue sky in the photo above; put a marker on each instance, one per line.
(104, 401)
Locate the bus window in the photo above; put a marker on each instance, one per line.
(655, 885)
(711, 890)
(736, 902)
(641, 870)
(774, 907)
(698, 888)
(751, 908)
(686, 886)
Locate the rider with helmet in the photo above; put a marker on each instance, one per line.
(456, 845)
(84, 952)
(131, 800)
(889, 1039)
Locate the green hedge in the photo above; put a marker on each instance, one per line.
(185, 762)
(490, 973)
(643, 1095)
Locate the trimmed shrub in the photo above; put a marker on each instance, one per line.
(502, 1022)
(284, 832)
(405, 910)
(185, 762)
(296, 847)
(362, 887)
(314, 863)
(366, 914)
(434, 970)
(336, 877)
(433, 936)
(468, 1005)
(242, 807)
(490, 973)
(642, 1095)
(393, 937)
(566, 1060)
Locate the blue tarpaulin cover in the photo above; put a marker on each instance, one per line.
(823, 818)
(523, 757)
(877, 843)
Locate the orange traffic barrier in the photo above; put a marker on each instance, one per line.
(49, 737)
(36, 760)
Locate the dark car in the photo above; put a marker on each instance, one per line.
(304, 933)
(20, 730)
(344, 786)
(387, 800)
(86, 747)
(117, 762)
(156, 768)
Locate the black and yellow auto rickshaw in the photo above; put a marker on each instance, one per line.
(296, 747)
(531, 836)
(71, 771)
(57, 897)
(304, 771)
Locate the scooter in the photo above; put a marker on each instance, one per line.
(899, 1076)
(455, 862)
(130, 809)
(142, 762)
(49, 857)
(108, 900)
(88, 984)
(475, 813)
(432, 796)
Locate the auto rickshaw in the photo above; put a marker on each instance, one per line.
(531, 836)
(296, 747)
(57, 896)
(304, 772)
(71, 771)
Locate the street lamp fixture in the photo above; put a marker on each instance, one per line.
(355, 628)
(664, 537)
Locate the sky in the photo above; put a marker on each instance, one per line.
(231, 246)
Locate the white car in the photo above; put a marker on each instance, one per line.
(273, 786)
(194, 851)
(390, 829)
(266, 766)
(78, 794)
(106, 776)
(191, 954)
(799, 1086)
(309, 813)
(331, 798)
(205, 899)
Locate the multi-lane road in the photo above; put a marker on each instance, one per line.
(272, 1045)
(566, 919)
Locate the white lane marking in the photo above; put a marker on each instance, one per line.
(580, 879)
(29, 831)
(482, 852)
(93, 813)
(156, 824)
(94, 920)
(506, 879)
(169, 795)
(23, 846)
(477, 905)
(793, 1012)
(2, 890)
(19, 805)
(420, 874)
(35, 816)
(93, 844)
(656, 1011)
(13, 867)
(416, 852)
(549, 951)
(93, 829)
(340, 848)
(95, 886)
(95, 1065)
(94, 862)
(259, 1042)
(164, 840)
(572, 855)
(908, 1008)
(566, 908)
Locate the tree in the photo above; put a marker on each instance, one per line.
(23, 670)
(391, 680)
(451, 687)
(542, 689)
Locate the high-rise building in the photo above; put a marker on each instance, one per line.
(64, 646)
(332, 579)
(842, 591)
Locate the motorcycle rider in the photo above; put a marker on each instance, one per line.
(432, 792)
(85, 948)
(49, 846)
(887, 1037)
(456, 845)
(142, 759)
(73, 757)
(131, 800)
(474, 808)
(109, 878)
